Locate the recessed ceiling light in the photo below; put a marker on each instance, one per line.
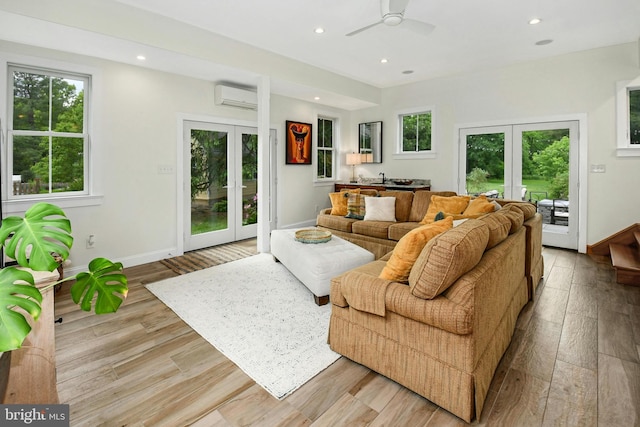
(319, 30)
(535, 21)
(317, 98)
(141, 57)
(384, 60)
(544, 42)
(407, 72)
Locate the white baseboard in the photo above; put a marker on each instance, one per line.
(130, 261)
(304, 224)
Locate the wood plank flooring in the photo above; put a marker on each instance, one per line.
(574, 361)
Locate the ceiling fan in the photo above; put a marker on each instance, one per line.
(392, 12)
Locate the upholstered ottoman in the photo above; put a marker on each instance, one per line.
(315, 264)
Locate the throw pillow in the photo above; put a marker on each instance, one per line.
(339, 200)
(355, 206)
(408, 249)
(447, 257)
(479, 205)
(339, 203)
(452, 205)
(380, 209)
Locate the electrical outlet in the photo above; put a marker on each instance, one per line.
(91, 241)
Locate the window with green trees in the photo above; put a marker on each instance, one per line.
(415, 131)
(326, 147)
(48, 132)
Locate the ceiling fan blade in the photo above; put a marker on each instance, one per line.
(393, 6)
(358, 31)
(418, 27)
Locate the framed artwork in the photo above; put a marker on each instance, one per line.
(298, 143)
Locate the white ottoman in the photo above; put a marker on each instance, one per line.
(315, 264)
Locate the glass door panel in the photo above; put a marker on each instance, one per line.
(209, 168)
(249, 183)
(536, 162)
(209, 210)
(550, 178)
(483, 158)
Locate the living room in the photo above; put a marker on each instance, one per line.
(137, 112)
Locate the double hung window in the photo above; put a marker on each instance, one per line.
(325, 148)
(48, 133)
(415, 137)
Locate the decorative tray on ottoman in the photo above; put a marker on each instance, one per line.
(313, 235)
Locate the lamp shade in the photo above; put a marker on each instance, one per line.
(353, 159)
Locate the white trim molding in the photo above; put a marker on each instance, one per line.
(624, 148)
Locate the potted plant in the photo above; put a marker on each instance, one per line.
(32, 241)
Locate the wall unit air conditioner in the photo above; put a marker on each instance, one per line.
(234, 97)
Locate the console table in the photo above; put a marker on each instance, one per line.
(383, 187)
(32, 370)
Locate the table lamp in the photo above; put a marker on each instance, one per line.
(353, 159)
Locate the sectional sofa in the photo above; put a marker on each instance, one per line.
(443, 333)
(381, 237)
(438, 322)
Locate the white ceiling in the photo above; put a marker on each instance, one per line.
(469, 35)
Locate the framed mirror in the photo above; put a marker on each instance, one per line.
(370, 142)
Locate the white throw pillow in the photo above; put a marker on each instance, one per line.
(380, 209)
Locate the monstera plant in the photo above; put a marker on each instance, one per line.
(38, 242)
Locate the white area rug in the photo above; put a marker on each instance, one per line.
(258, 315)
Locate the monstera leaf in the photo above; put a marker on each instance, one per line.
(14, 293)
(104, 279)
(44, 229)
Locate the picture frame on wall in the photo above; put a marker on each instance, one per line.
(298, 143)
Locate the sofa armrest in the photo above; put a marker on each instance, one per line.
(361, 291)
(367, 293)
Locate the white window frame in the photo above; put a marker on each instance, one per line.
(624, 146)
(425, 154)
(91, 196)
(333, 149)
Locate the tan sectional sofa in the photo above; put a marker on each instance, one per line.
(443, 333)
(381, 237)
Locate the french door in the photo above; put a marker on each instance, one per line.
(537, 162)
(222, 172)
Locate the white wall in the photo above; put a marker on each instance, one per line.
(299, 198)
(136, 132)
(580, 83)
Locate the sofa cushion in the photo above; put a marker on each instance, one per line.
(409, 248)
(479, 205)
(528, 209)
(379, 229)
(447, 257)
(515, 216)
(421, 201)
(335, 222)
(404, 200)
(355, 206)
(499, 227)
(380, 209)
(399, 229)
(453, 205)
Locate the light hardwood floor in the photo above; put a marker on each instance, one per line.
(574, 361)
